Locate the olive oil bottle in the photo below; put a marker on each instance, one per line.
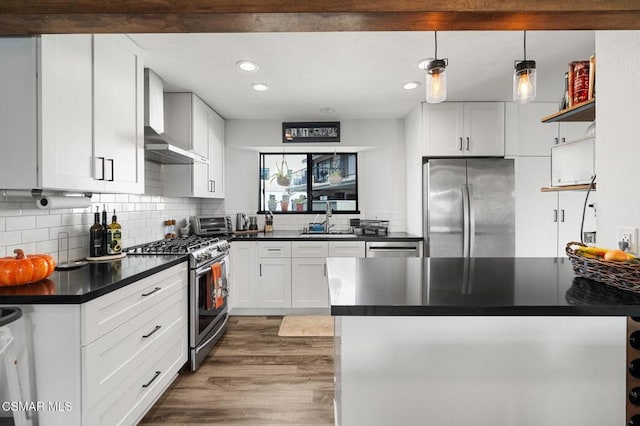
(114, 236)
(96, 236)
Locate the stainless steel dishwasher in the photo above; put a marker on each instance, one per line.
(393, 249)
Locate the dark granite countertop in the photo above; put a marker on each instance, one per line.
(88, 282)
(298, 236)
(466, 287)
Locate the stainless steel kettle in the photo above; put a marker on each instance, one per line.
(241, 222)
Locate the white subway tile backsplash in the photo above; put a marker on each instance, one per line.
(10, 238)
(48, 221)
(10, 209)
(35, 235)
(2, 221)
(17, 223)
(27, 248)
(47, 247)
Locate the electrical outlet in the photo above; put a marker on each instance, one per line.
(628, 236)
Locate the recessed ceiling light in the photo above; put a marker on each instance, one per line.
(260, 87)
(327, 110)
(246, 65)
(410, 85)
(422, 64)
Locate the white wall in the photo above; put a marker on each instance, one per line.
(617, 132)
(381, 164)
(24, 226)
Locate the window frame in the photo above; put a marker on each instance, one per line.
(309, 201)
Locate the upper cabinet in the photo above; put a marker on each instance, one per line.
(71, 113)
(526, 135)
(463, 129)
(193, 125)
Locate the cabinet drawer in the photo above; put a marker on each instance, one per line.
(274, 249)
(108, 312)
(133, 399)
(309, 249)
(346, 248)
(111, 359)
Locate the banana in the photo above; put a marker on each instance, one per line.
(595, 251)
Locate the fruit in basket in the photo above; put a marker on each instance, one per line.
(616, 256)
(593, 251)
(23, 269)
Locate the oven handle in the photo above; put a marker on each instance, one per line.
(207, 267)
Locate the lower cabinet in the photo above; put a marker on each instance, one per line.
(281, 277)
(111, 358)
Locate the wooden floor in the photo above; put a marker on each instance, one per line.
(254, 377)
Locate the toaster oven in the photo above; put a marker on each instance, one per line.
(211, 225)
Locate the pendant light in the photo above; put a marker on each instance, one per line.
(524, 78)
(437, 77)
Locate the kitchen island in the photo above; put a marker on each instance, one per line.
(484, 341)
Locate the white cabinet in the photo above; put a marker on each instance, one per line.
(118, 111)
(243, 275)
(111, 358)
(193, 125)
(546, 221)
(274, 274)
(309, 285)
(526, 135)
(346, 249)
(463, 129)
(274, 282)
(72, 113)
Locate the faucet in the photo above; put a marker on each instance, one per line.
(328, 214)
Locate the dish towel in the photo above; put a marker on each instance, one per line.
(216, 277)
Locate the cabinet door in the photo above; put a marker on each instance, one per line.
(274, 282)
(199, 126)
(442, 127)
(536, 211)
(483, 128)
(243, 282)
(570, 131)
(525, 134)
(66, 96)
(118, 114)
(216, 155)
(570, 205)
(309, 285)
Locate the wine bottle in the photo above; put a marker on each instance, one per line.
(114, 236)
(105, 226)
(96, 236)
(635, 420)
(634, 368)
(634, 339)
(634, 396)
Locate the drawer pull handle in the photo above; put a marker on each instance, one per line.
(151, 292)
(273, 249)
(158, 327)
(155, 376)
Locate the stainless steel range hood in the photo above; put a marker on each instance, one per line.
(157, 147)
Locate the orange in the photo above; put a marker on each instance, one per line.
(616, 255)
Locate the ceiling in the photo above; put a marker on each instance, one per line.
(359, 74)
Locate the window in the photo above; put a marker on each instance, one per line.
(304, 183)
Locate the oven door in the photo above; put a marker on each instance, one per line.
(208, 307)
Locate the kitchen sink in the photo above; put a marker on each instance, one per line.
(331, 235)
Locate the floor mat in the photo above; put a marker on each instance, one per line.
(306, 325)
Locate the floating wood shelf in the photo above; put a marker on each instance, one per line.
(585, 111)
(582, 187)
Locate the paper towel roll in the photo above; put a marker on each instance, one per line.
(53, 202)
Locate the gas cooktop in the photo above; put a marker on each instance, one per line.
(181, 245)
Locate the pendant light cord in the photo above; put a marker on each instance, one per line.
(435, 36)
(525, 45)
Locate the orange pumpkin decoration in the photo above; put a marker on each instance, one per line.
(23, 269)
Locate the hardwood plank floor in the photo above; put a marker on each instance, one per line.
(254, 377)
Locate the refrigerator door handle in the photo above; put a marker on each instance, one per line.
(472, 222)
(465, 218)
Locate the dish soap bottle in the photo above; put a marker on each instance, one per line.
(96, 236)
(114, 236)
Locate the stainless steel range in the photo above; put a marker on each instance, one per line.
(208, 258)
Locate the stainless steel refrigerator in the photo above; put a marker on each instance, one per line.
(469, 207)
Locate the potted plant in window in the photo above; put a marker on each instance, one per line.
(300, 202)
(283, 175)
(284, 204)
(335, 176)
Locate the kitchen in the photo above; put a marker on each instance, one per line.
(184, 207)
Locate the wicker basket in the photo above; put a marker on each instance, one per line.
(616, 274)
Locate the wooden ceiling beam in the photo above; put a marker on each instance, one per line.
(161, 16)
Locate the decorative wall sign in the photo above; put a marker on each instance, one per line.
(326, 131)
